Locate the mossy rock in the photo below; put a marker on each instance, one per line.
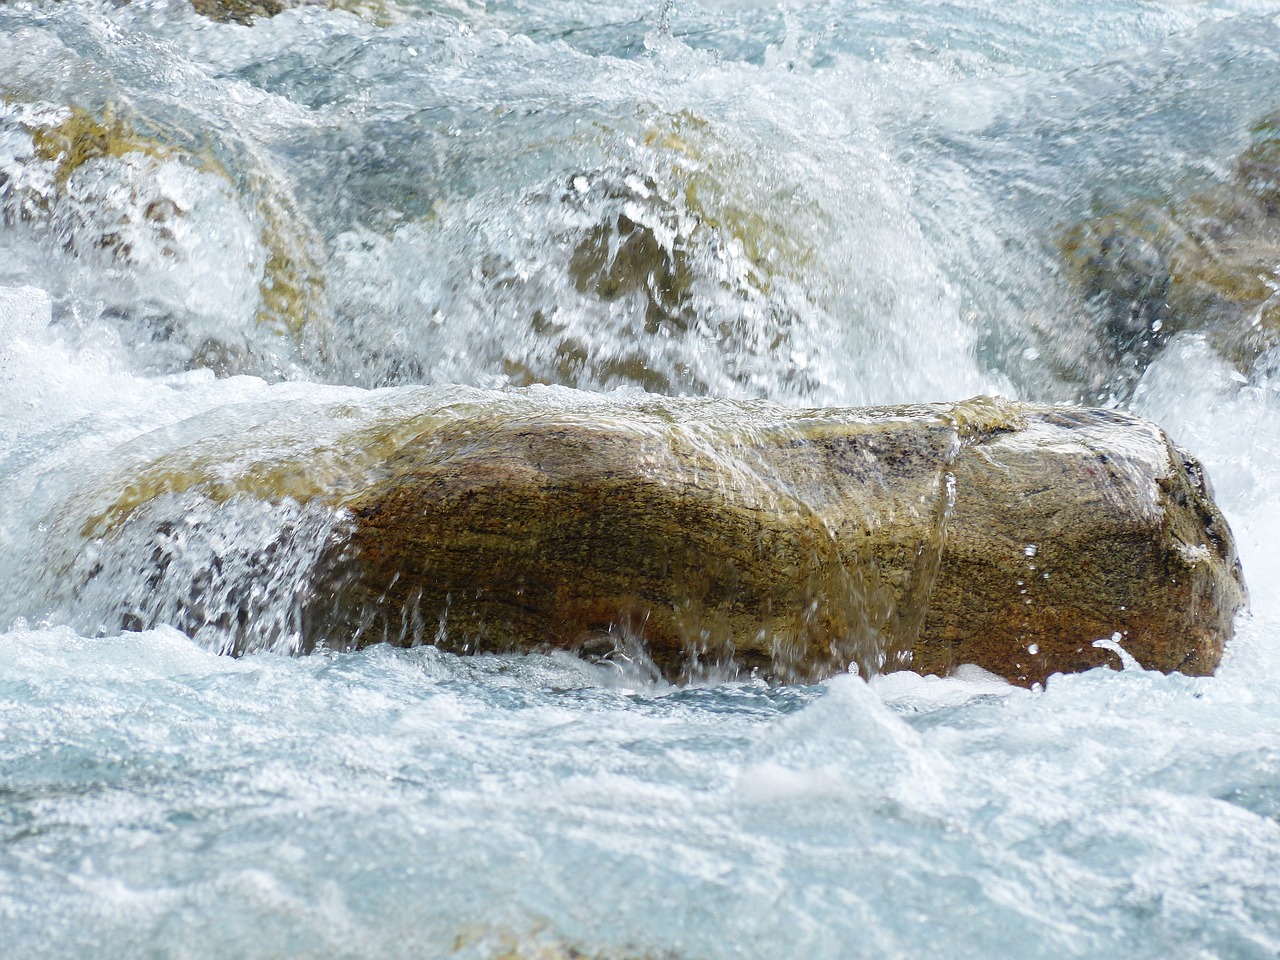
(84, 136)
(292, 286)
(753, 538)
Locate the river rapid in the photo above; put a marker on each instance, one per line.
(818, 203)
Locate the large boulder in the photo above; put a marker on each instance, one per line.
(796, 544)
(750, 537)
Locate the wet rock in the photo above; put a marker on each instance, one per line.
(538, 944)
(247, 12)
(750, 538)
(670, 262)
(244, 11)
(114, 190)
(1208, 263)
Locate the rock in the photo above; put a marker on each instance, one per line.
(240, 11)
(1208, 262)
(247, 12)
(667, 257)
(537, 944)
(108, 186)
(755, 538)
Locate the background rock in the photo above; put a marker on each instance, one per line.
(1208, 262)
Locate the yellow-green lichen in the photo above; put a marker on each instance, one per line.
(84, 136)
(266, 465)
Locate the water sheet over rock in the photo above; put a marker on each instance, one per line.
(738, 536)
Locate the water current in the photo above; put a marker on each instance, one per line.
(211, 228)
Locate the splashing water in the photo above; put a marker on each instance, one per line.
(277, 231)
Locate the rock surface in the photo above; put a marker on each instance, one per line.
(749, 537)
(115, 189)
(242, 11)
(796, 543)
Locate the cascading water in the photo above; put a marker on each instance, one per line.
(229, 245)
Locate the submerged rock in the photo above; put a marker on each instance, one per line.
(747, 537)
(1207, 263)
(537, 944)
(125, 194)
(658, 253)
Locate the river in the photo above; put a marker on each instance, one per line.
(213, 225)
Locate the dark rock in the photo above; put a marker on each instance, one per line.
(1208, 262)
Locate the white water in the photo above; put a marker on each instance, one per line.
(875, 191)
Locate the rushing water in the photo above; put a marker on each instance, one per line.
(844, 202)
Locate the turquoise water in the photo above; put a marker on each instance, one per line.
(856, 203)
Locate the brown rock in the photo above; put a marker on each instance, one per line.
(792, 543)
(239, 11)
